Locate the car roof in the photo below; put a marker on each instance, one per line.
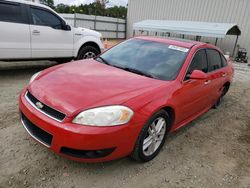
(35, 4)
(173, 41)
(28, 3)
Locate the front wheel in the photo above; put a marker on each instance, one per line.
(152, 137)
(87, 52)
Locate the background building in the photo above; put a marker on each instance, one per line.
(223, 11)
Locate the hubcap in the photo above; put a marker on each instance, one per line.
(154, 136)
(88, 55)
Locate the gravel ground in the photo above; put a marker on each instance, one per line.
(212, 151)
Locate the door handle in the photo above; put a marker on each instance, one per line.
(207, 82)
(35, 32)
(224, 74)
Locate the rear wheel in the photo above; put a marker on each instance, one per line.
(152, 137)
(87, 52)
(225, 89)
(218, 102)
(224, 92)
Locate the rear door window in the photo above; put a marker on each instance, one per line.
(45, 18)
(214, 60)
(11, 12)
(223, 61)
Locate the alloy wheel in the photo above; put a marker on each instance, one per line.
(89, 55)
(154, 136)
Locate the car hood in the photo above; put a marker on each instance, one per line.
(85, 84)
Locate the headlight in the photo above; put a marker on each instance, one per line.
(104, 116)
(34, 77)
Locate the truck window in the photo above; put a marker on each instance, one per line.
(11, 12)
(45, 18)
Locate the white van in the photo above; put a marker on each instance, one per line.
(34, 31)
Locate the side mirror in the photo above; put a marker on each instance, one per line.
(67, 27)
(198, 75)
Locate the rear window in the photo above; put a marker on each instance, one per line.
(161, 60)
(223, 61)
(11, 13)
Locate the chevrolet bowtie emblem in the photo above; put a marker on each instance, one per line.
(39, 105)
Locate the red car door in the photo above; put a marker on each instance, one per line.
(194, 94)
(216, 73)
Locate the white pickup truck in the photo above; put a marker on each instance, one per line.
(34, 31)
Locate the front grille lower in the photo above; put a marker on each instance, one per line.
(86, 154)
(36, 132)
(52, 113)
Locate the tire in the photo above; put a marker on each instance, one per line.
(218, 102)
(66, 60)
(225, 90)
(87, 52)
(143, 155)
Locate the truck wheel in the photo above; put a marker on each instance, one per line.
(87, 52)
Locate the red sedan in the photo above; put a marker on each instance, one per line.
(125, 101)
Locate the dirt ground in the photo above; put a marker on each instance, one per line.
(212, 151)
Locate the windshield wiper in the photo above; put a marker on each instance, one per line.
(138, 72)
(103, 60)
(107, 63)
(126, 68)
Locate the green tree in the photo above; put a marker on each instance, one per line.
(49, 3)
(103, 3)
(62, 8)
(95, 8)
(117, 12)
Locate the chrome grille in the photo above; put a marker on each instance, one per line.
(43, 108)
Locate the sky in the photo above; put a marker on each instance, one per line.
(78, 2)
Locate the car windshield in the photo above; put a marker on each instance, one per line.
(153, 59)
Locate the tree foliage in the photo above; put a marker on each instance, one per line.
(103, 3)
(49, 3)
(98, 8)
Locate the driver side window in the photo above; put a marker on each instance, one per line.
(45, 18)
(199, 62)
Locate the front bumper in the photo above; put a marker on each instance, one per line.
(77, 142)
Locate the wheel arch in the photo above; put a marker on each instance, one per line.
(90, 43)
(171, 112)
(87, 40)
(160, 104)
(227, 86)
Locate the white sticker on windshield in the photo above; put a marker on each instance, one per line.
(178, 48)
